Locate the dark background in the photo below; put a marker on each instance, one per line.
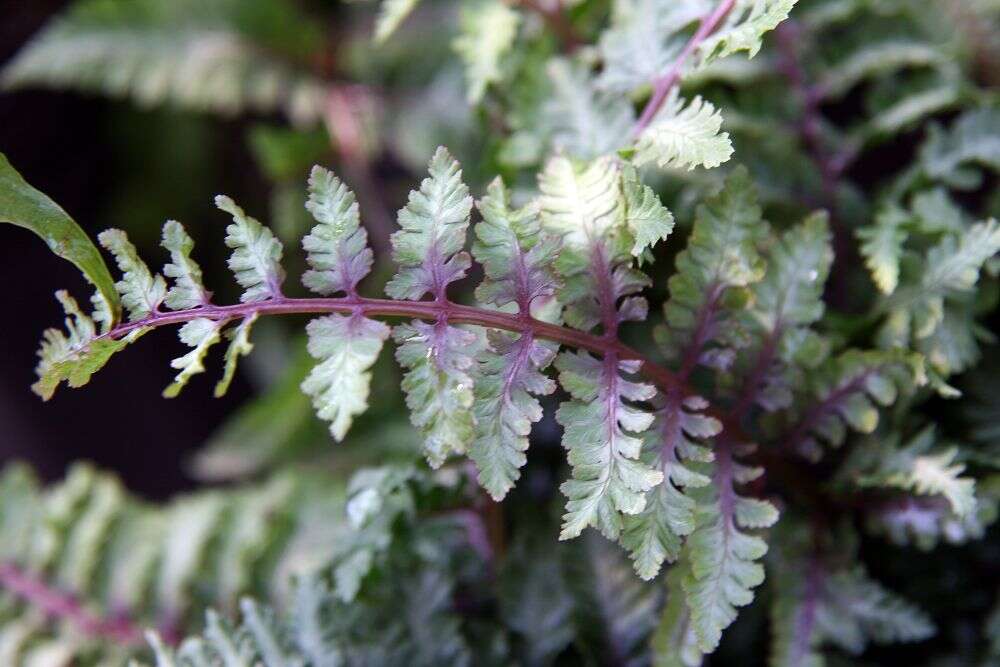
(109, 164)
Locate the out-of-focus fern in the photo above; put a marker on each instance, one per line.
(235, 55)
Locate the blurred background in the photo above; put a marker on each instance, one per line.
(113, 163)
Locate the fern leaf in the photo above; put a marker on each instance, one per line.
(916, 468)
(954, 263)
(346, 347)
(646, 217)
(683, 135)
(439, 359)
(73, 357)
(974, 137)
(844, 392)
(608, 477)
(655, 535)
(585, 123)
(516, 255)
(675, 643)
(337, 248)
(644, 38)
(882, 247)
(200, 334)
(724, 568)
(791, 292)
(141, 291)
(433, 224)
(239, 346)
(488, 31)
(720, 261)
(391, 14)
(256, 258)
(857, 610)
(581, 202)
(188, 290)
(744, 28)
(517, 259)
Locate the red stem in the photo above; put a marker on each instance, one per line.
(65, 605)
(424, 310)
(666, 81)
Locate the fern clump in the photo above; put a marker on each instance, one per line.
(664, 352)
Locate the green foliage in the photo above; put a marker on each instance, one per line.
(24, 206)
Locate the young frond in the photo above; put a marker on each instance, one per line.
(882, 247)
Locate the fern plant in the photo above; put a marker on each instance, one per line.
(752, 450)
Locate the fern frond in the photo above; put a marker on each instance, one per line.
(428, 247)
(346, 347)
(141, 291)
(200, 334)
(585, 123)
(488, 31)
(73, 357)
(882, 247)
(655, 535)
(844, 392)
(915, 467)
(675, 643)
(723, 554)
(858, 610)
(973, 138)
(684, 135)
(337, 248)
(116, 563)
(239, 346)
(644, 38)
(256, 258)
(713, 272)
(517, 258)
(440, 360)
(744, 28)
(188, 290)
(647, 219)
(608, 478)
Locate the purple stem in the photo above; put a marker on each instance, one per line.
(823, 408)
(666, 81)
(66, 606)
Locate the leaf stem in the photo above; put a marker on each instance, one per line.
(424, 310)
(667, 80)
(65, 605)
